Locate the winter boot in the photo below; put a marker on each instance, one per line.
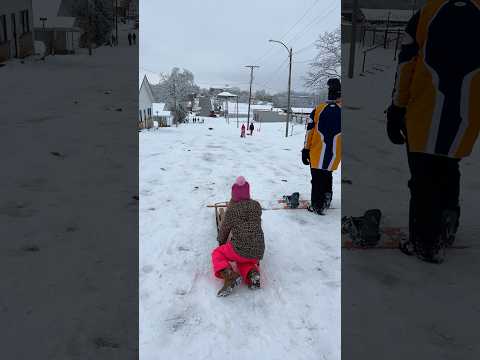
(254, 277)
(432, 251)
(450, 222)
(231, 281)
(316, 209)
(407, 246)
(370, 227)
(363, 230)
(328, 200)
(293, 201)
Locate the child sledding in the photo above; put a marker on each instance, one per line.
(241, 241)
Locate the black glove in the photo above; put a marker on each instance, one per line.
(306, 156)
(396, 130)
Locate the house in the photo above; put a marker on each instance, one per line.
(301, 115)
(59, 34)
(127, 9)
(205, 105)
(161, 115)
(16, 29)
(268, 116)
(146, 98)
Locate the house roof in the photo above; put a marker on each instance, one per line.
(226, 94)
(153, 78)
(162, 113)
(302, 110)
(386, 14)
(145, 84)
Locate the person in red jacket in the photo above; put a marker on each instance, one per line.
(242, 134)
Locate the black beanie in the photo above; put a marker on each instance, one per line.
(334, 89)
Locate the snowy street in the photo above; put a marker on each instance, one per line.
(67, 122)
(296, 315)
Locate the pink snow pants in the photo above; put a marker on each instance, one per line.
(224, 254)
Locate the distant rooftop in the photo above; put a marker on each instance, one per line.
(384, 15)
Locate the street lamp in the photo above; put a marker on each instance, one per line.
(289, 82)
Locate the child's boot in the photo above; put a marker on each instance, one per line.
(254, 277)
(231, 281)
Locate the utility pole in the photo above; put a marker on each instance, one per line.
(175, 103)
(289, 110)
(250, 94)
(116, 22)
(353, 40)
(89, 33)
(289, 82)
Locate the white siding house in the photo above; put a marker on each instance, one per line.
(146, 98)
(16, 29)
(162, 116)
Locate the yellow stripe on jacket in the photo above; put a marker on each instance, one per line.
(323, 137)
(438, 78)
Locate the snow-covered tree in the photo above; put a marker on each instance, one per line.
(327, 63)
(95, 17)
(175, 90)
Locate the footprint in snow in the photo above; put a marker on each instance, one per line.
(147, 269)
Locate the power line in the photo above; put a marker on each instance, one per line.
(303, 31)
(316, 19)
(273, 73)
(289, 30)
(304, 14)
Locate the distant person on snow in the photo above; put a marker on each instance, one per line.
(323, 146)
(129, 39)
(241, 241)
(251, 128)
(242, 132)
(435, 112)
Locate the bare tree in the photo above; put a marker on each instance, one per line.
(327, 63)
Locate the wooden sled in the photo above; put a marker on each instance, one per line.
(219, 212)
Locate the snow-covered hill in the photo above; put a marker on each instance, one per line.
(394, 306)
(296, 315)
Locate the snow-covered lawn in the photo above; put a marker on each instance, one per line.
(296, 315)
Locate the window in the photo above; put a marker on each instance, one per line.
(25, 21)
(3, 29)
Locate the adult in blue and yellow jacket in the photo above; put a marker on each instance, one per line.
(323, 147)
(436, 111)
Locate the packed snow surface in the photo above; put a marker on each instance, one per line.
(296, 314)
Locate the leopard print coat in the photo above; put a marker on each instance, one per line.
(243, 220)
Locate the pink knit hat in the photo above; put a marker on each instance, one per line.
(240, 189)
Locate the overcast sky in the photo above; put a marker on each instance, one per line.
(215, 39)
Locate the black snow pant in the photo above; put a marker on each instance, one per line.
(321, 184)
(434, 191)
